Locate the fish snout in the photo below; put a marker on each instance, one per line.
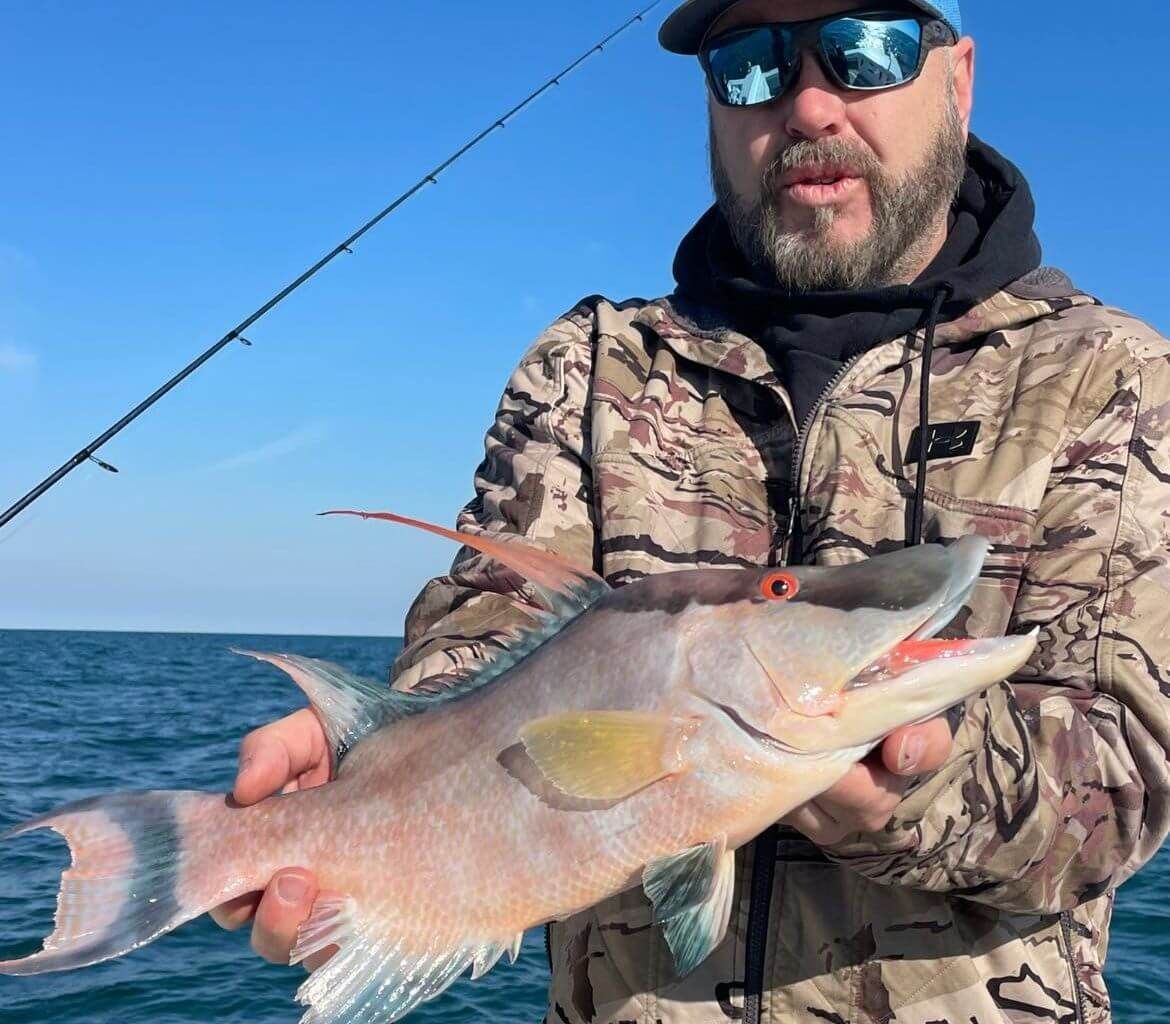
(843, 620)
(965, 558)
(902, 674)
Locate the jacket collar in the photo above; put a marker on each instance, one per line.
(703, 335)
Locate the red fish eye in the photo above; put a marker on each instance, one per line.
(779, 586)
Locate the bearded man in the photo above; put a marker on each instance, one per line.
(861, 353)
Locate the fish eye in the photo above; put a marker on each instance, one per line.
(779, 586)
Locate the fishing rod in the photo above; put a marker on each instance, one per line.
(88, 453)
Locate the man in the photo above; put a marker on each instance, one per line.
(861, 353)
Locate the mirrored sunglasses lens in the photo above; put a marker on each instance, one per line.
(743, 68)
(872, 54)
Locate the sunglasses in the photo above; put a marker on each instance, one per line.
(864, 51)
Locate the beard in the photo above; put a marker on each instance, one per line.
(905, 212)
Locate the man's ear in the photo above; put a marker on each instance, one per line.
(963, 77)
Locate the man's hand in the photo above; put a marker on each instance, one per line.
(285, 756)
(864, 801)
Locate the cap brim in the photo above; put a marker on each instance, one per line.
(683, 30)
(685, 27)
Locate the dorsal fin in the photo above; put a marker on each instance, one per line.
(349, 706)
(564, 588)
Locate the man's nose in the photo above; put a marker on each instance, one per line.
(815, 108)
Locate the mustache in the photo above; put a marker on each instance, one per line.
(808, 152)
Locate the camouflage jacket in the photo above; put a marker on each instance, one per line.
(642, 437)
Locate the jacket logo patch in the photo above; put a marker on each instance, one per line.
(946, 441)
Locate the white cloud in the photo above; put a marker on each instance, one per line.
(16, 360)
(293, 441)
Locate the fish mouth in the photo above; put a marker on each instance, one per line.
(920, 679)
(920, 676)
(920, 647)
(886, 612)
(916, 681)
(911, 655)
(920, 653)
(902, 674)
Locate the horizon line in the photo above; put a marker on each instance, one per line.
(201, 632)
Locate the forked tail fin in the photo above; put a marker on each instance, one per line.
(133, 875)
(143, 863)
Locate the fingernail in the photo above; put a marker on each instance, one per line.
(291, 888)
(910, 753)
(245, 764)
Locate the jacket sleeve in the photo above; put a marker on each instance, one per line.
(1058, 787)
(533, 482)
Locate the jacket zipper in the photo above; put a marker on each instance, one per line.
(763, 875)
(802, 440)
(1066, 927)
(765, 847)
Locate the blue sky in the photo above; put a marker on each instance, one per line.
(168, 166)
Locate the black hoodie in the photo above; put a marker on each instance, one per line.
(810, 336)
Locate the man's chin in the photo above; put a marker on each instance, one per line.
(819, 260)
(832, 240)
(829, 225)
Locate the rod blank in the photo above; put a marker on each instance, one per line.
(236, 333)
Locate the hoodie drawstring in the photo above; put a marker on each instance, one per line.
(915, 534)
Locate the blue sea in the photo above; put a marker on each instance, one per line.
(90, 713)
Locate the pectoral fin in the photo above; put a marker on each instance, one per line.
(606, 755)
(691, 893)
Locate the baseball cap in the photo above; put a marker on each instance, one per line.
(684, 29)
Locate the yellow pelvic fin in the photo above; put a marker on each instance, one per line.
(606, 755)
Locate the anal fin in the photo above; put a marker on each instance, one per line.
(488, 955)
(692, 894)
(487, 959)
(374, 978)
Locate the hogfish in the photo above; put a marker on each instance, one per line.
(626, 737)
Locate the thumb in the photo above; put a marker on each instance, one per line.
(290, 750)
(918, 749)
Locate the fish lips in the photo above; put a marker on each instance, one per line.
(921, 654)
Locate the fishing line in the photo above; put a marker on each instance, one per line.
(87, 454)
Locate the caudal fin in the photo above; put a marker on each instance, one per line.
(129, 881)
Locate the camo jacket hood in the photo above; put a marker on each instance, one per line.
(641, 437)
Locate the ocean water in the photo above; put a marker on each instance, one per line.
(90, 713)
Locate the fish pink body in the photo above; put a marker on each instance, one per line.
(632, 737)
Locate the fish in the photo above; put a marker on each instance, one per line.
(623, 737)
